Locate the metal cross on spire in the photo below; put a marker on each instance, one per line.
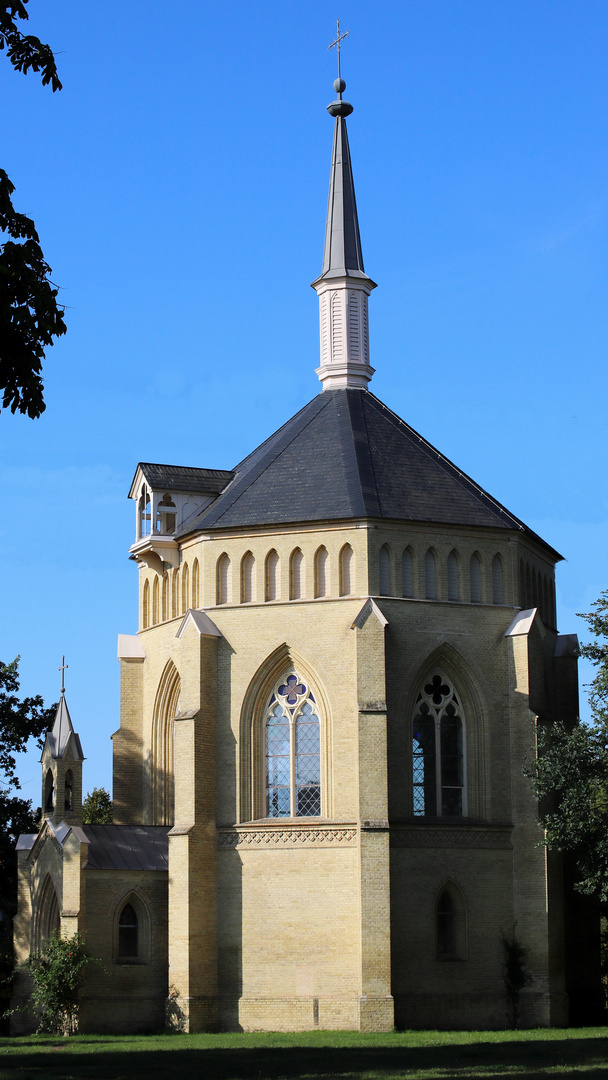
(62, 670)
(338, 43)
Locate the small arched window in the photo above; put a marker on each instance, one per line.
(128, 933)
(272, 576)
(497, 580)
(185, 587)
(407, 573)
(175, 594)
(346, 568)
(522, 584)
(452, 576)
(224, 580)
(296, 571)
(145, 605)
(165, 516)
(529, 600)
(321, 572)
(195, 585)
(475, 578)
(49, 792)
(155, 601)
(247, 578)
(438, 752)
(545, 600)
(68, 789)
(293, 751)
(429, 575)
(165, 597)
(384, 571)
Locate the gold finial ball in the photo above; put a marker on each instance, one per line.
(339, 86)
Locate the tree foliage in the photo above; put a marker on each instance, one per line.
(570, 775)
(30, 316)
(57, 974)
(97, 807)
(21, 719)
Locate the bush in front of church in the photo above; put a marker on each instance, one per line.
(57, 974)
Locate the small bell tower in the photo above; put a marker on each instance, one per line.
(62, 759)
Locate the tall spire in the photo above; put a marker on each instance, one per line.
(343, 287)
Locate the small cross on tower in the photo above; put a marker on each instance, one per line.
(338, 43)
(62, 669)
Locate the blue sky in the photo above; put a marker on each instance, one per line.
(179, 185)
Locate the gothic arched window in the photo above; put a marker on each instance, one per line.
(438, 752)
(185, 588)
(450, 924)
(407, 573)
(49, 792)
(429, 575)
(155, 601)
(384, 571)
(296, 565)
(145, 618)
(346, 567)
(475, 578)
(224, 581)
(247, 578)
(293, 746)
(273, 582)
(496, 580)
(127, 933)
(452, 576)
(321, 572)
(68, 789)
(195, 584)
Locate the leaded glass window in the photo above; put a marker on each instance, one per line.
(438, 752)
(293, 758)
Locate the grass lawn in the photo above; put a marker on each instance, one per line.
(423, 1055)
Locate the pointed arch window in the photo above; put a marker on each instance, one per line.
(497, 580)
(68, 791)
(145, 612)
(293, 763)
(407, 573)
(452, 576)
(272, 576)
(296, 573)
(247, 578)
(128, 927)
(384, 571)
(321, 572)
(165, 597)
(155, 601)
(185, 587)
(438, 764)
(224, 582)
(346, 570)
(175, 594)
(49, 792)
(475, 578)
(195, 585)
(166, 708)
(429, 575)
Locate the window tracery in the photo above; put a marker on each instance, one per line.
(293, 765)
(438, 752)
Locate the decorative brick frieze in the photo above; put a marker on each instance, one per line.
(289, 836)
(420, 836)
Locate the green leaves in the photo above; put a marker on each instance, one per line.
(570, 775)
(97, 807)
(57, 973)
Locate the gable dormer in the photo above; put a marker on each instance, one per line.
(167, 498)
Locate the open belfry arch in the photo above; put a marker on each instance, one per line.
(320, 815)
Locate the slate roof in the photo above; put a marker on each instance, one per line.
(184, 478)
(342, 255)
(346, 455)
(127, 847)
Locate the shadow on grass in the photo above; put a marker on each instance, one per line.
(529, 1060)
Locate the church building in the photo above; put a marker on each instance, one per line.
(320, 815)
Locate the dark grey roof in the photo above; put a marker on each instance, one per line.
(342, 254)
(346, 455)
(127, 847)
(185, 478)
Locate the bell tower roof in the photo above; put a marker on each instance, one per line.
(61, 732)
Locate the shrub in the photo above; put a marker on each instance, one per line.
(57, 974)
